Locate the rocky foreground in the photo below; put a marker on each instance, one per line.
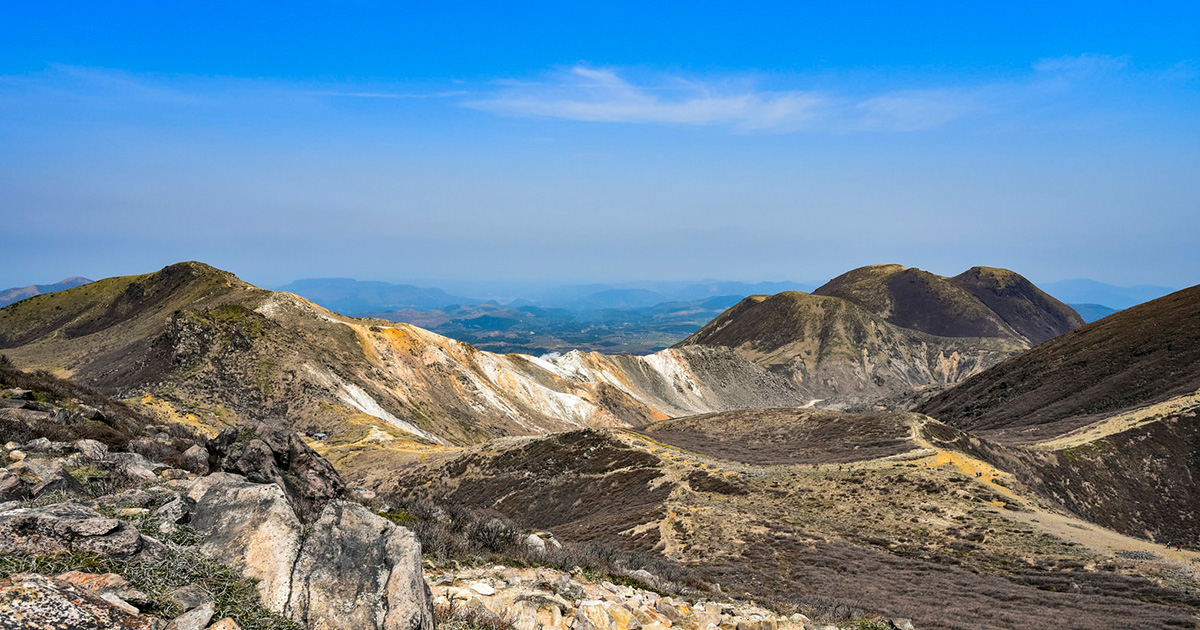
(252, 529)
(548, 599)
(266, 539)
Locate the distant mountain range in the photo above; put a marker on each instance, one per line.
(350, 297)
(634, 318)
(1092, 312)
(16, 294)
(540, 330)
(353, 297)
(1082, 291)
(199, 342)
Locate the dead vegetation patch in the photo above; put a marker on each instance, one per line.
(787, 436)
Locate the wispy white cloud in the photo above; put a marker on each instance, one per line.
(389, 95)
(608, 95)
(603, 95)
(1081, 66)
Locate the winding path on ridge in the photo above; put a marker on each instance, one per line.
(1039, 516)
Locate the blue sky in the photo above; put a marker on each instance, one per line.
(601, 141)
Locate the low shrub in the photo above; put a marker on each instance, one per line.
(451, 534)
(455, 617)
(233, 596)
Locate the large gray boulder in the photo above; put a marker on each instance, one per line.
(266, 453)
(252, 527)
(71, 527)
(352, 570)
(358, 570)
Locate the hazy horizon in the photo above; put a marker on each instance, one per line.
(552, 143)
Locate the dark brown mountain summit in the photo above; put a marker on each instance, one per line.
(980, 302)
(844, 354)
(886, 330)
(1031, 312)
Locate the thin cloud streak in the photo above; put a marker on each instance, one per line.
(387, 95)
(589, 94)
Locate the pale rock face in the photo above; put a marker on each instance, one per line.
(252, 527)
(358, 570)
(353, 570)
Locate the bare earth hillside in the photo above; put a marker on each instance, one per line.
(907, 527)
(197, 344)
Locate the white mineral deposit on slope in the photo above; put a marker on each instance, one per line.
(550, 363)
(492, 383)
(667, 363)
(505, 379)
(281, 300)
(361, 401)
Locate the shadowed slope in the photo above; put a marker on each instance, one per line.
(980, 302)
(788, 436)
(837, 350)
(1140, 356)
(1031, 312)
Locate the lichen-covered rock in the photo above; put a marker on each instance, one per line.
(194, 619)
(252, 527)
(35, 602)
(134, 497)
(135, 466)
(270, 454)
(195, 459)
(12, 488)
(357, 570)
(70, 527)
(353, 570)
(177, 511)
(59, 481)
(91, 449)
(107, 584)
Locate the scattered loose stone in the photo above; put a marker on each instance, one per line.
(527, 598)
(194, 619)
(481, 588)
(35, 601)
(12, 488)
(91, 449)
(174, 473)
